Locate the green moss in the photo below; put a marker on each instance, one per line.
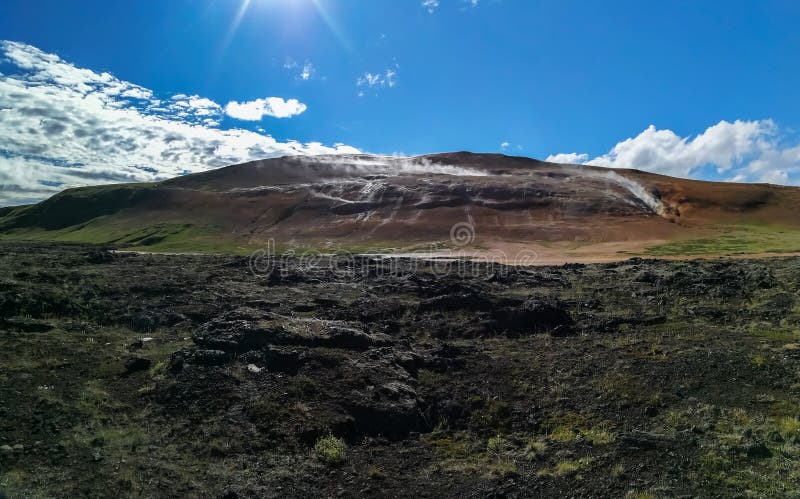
(94, 400)
(567, 467)
(491, 414)
(375, 473)
(635, 494)
(623, 385)
(571, 427)
(563, 434)
(724, 463)
(503, 468)
(776, 334)
(496, 445)
(450, 447)
(331, 450)
(497, 458)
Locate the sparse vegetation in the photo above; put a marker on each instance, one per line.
(535, 449)
(436, 401)
(734, 240)
(571, 427)
(331, 449)
(496, 445)
(567, 467)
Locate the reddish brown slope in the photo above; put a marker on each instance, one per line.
(373, 201)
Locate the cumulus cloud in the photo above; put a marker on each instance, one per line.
(572, 158)
(739, 151)
(271, 106)
(63, 126)
(504, 145)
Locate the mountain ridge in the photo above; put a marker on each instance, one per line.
(374, 203)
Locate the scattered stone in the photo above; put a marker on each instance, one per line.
(98, 257)
(283, 361)
(143, 323)
(473, 300)
(758, 451)
(209, 358)
(137, 364)
(536, 315)
(350, 338)
(136, 345)
(647, 440)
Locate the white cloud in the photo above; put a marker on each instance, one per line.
(307, 72)
(723, 145)
(271, 106)
(431, 5)
(504, 145)
(62, 126)
(390, 78)
(741, 151)
(192, 108)
(369, 79)
(572, 158)
(375, 81)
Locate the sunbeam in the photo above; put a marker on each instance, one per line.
(237, 20)
(332, 24)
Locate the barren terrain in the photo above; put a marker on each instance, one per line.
(154, 375)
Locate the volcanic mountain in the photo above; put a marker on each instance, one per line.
(464, 202)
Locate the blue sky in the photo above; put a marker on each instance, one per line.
(572, 81)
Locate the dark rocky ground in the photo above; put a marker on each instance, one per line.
(157, 376)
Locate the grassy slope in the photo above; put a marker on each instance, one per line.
(159, 237)
(97, 215)
(734, 240)
(171, 237)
